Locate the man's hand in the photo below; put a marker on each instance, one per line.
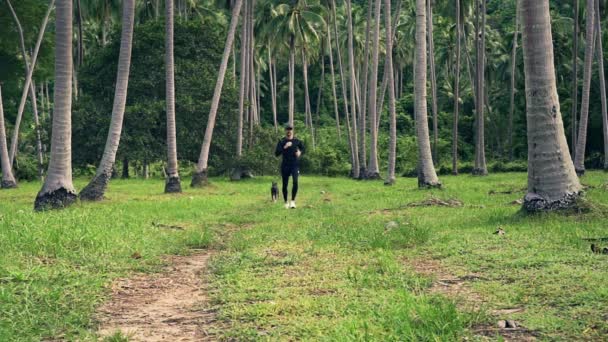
(298, 153)
(287, 145)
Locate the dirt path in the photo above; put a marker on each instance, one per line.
(167, 306)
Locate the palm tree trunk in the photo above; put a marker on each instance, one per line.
(353, 79)
(200, 177)
(352, 143)
(333, 84)
(8, 180)
(322, 80)
(600, 59)
(426, 170)
(32, 90)
(456, 92)
(28, 81)
(433, 79)
(373, 172)
(173, 183)
(48, 98)
(480, 168)
(581, 142)
(574, 119)
(552, 181)
(513, 70)
(243, 83)
(366, 87)
(96, 188)
(273, 97)
(392, 147)
(309, 122)
(80, 47)
(380, 106)
(37, 128)
(292, 62)
(57, 190)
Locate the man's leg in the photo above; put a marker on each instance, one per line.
(285, 176)
(294, 190)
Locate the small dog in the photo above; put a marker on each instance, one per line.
(274, 192)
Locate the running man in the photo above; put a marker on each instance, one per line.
(291, 148)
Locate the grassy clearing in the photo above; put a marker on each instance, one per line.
(329, 270)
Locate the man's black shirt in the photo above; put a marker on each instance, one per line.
(289, 154)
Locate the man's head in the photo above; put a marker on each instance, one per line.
(289, 131)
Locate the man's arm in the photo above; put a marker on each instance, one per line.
(279, 150)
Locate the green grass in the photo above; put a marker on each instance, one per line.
(329, 270)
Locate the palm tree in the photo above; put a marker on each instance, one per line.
(581, 141)
(426, 170)
(32, 88)
(552, 181)
(8, 180)
(96, 188)
(480, 168)
(200, 176)
(392, 150)
(57, 190)
(173, 183)
(574, 95)
(456, 92)
(373, 171)
(600, 60)
(28, 81)
(513, 69)
(353, 79)
(431, 48)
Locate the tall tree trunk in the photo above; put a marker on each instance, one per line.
(333, 83)
(28, 81)
(353, 149)
(513, 70)
(243, 82)
(32, 90)
(200, 177)
(600, 59)
(433, 79)
(363, 98)
(552, 181)
(146, 169)
(581, 142)
(373, 171)
(353, 80)
(173, 183)
(426, 170)
(57, 190)
(96, 188)
(480, 168)
(37, 128)
(273, 97)
(456, 92)
(309, 122)
(292, 62)
(80, 46)
(322, 80)
(48, 98)
(8, 180)
(380, 106)
(392, 147)
(574, 119)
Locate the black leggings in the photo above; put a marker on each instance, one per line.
(285, 173)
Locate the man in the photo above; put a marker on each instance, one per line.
(291, 149)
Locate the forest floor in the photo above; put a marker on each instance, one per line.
(355, 261)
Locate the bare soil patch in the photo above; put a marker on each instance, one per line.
(167, 306)
(459, 290)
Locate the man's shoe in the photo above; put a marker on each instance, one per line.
(293, 205)
(287, 206)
